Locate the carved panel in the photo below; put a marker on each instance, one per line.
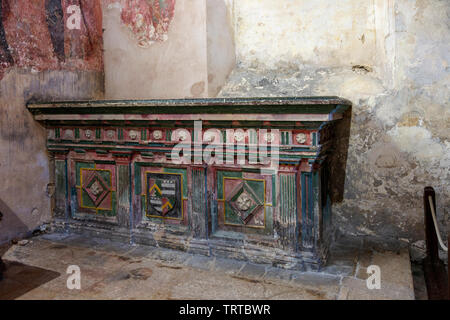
(163, 195)
(244, 201)
(95, 190)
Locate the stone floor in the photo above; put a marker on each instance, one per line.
(37, 270)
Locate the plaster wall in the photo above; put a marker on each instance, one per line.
(40, 60)
(391, 59)
(192, 60)
(221, 48)
(172, 68)
(25, 169)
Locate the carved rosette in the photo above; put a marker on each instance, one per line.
(157, 134)
(300, 138)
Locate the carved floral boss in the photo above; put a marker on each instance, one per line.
(95, 189)
(245, 203)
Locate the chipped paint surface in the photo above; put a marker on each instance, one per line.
(148, 20)
(34, 35)
(390, 58)
(167, 69)
(277, 33)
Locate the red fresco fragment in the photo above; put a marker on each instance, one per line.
(28, 36)
(149, 20)
(83, 48)
(29, 41)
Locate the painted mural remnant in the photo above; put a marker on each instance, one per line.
(149, 20)
(55, 23)
(6, 59)
(35, 35)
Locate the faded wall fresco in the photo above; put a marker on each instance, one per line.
(41, 58)
(391, 59)
(34, 35)
(149, 20)
(166, 49)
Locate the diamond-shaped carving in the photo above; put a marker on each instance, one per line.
(245, 202)
(95, 187)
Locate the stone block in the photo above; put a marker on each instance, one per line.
(228, 266)
(315, 279)
(200, 262)
(252, 270)
(279, 274)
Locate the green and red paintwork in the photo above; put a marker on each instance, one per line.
(114, 175)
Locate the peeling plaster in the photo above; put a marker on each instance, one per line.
(419, 142)
(399, 140)
(147, 21)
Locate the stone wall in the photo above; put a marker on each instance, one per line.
(390, 58)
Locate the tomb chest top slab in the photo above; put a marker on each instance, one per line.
(286, 109)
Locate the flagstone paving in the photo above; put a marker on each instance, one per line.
(109, 270)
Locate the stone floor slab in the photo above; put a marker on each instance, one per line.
(118, 271)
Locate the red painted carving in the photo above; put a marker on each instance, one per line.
(33, 39)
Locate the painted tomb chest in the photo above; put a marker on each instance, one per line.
(246, 178)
